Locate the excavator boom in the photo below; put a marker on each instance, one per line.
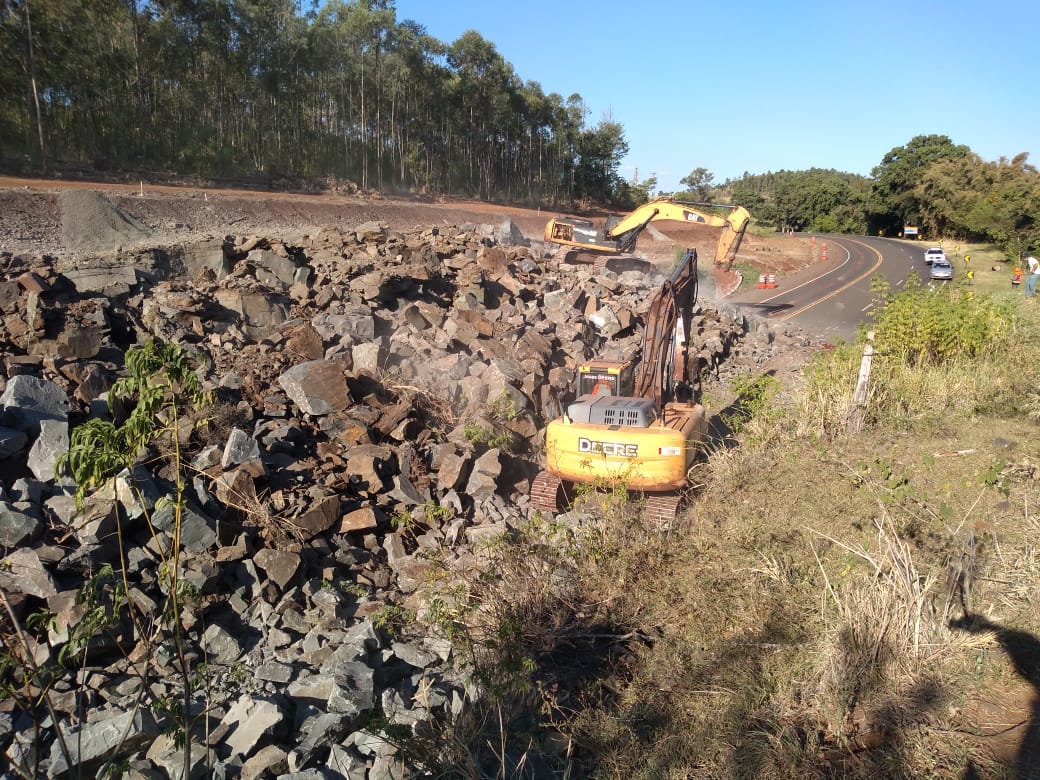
(662, 374)
(620, 234)
(729, 242)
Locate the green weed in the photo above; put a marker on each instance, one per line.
(393, 619)
(491, 436)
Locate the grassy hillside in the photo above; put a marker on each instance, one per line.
(990, 269)
(836, 602)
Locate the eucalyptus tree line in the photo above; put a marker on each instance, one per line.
(294, 89)
(288, 88)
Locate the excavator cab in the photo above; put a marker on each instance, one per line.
(570, 231)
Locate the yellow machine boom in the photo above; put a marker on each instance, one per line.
(620, 233)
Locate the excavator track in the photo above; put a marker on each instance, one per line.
(660, 512)
(545, 492)
(621, 263)
(610, 262)
(583, 257)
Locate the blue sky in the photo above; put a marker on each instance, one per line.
(766, 86)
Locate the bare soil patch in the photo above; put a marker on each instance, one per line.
(41, 217)
(32, 221)
(777, 253)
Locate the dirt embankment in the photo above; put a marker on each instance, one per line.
(49, 217)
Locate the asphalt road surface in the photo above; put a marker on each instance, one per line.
(832, 297)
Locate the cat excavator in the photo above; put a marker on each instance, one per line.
(620, 233)
(633, 422)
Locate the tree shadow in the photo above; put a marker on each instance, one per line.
(1023, 650)
(878, 743)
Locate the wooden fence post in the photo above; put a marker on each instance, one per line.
(858, 411)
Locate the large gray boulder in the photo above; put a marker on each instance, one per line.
(27, 400)
(317, 387)
(107, 738)
(52, 443)
(23, 572)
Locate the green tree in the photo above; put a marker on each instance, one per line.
(601, 150)
(20, 119)
(368, 27)
(483, 86)
(971, 199)
(819, 200)
(699, 184)
(74, 90)
(273, 88)
(892, 202)
(744, 193)
(641, 192)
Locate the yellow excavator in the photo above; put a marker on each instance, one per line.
(620, 233)
(633, 422)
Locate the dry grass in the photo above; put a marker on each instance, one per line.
(830, 606)
(803, 613)
(1001, 381)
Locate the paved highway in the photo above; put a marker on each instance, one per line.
(831, 298)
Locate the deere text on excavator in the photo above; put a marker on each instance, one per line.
(620, 233)
(633, 422)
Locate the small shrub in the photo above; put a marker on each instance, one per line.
(437, 513)
(393, 619)
(922, 326)
(167, 404)
(503, 408)
(753, 397)
(402, 520)
(936, 352)
(492, 437)
(748, 274)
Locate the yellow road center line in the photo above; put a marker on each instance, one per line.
(841, 289)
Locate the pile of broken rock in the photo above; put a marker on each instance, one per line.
(351, 369)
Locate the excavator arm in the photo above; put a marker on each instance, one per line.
(732, 235)
(620, 234)
(662, 373)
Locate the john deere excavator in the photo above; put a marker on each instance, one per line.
(620, 233)
(633, 422)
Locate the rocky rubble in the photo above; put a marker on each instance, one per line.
(378, 395)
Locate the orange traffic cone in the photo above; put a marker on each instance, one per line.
(823, 256)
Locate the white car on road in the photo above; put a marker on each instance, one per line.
(932, 254)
